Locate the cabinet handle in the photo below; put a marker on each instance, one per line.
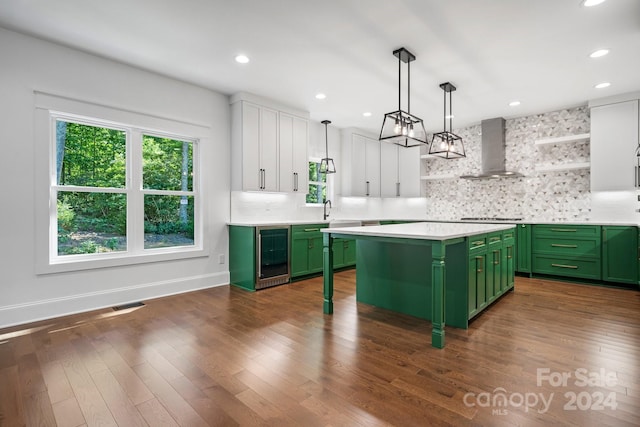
(345, 244)
(397, 189)
(564, 266)
(509, 249)
(637, 176)
(565, 230)
(558, 245)
(479, 260)
(496, 260)
(477, 243)
(523, 225)
(310, 244)
(367, 193)
(295, 181)
(311, 229)
(638, 253)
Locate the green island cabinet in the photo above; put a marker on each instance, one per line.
(620, 254)
(306, 250)
(567, 250)
(523, 248)
(491, 268)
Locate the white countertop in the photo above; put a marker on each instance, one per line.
(257, 223)
(421, 230)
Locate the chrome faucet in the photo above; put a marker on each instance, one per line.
(325, 213)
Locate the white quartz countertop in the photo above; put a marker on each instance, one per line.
(421, 230)
(258, 223)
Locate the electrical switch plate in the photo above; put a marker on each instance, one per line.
(221, 259)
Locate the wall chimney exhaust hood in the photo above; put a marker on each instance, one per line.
(493, 152)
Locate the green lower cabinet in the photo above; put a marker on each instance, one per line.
(306, 249)
(620, 253)
(523, 248)
(477, 271)
(344, 253)
(508, 266)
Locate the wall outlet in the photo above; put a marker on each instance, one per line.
(221, 259)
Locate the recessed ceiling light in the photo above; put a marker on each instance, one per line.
(242, 59)
(602, 85)
(589, 3)
(367, 114)
(598, 53)
(514, 103)
(321, 96)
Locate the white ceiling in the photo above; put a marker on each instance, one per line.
(494, 51)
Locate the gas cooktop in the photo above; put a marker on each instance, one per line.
(493, 218)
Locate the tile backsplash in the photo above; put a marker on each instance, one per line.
(561, 195)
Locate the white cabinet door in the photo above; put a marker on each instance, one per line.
(614, 138)
(358, 169)
(269, 149)
(300, 159)
(372, 168)
(409, 171)
(294, 165)
(250, 140)
(389, 182)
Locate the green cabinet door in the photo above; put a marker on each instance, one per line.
(299, 256)
(315, 254)
(338, 253)
(477, 283)
(620, 254)
(523, 249)
(493, 274)
(508, 266)
(349, 253)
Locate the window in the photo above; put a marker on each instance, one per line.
(120, 190)
(317, 184)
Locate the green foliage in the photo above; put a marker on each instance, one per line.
(65, 216)
(164, 165)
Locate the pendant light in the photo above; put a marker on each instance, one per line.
(402, 127)
(327, 165)
(447, 144)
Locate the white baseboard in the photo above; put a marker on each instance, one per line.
(19, 314)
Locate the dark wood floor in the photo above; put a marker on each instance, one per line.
(226, 357)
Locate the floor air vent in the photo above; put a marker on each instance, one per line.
(125, 306)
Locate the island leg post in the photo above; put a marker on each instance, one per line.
(327, 272)
(437, 294)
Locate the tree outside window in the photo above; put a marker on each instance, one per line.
(317, 193)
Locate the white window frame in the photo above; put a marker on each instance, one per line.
(49, 109)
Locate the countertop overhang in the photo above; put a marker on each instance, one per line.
(421, 230)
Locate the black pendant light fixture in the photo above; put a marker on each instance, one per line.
(402, 127)
(327, 165)
(447, 144)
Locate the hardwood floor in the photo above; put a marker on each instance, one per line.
(227, 357)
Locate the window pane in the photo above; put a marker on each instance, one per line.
(90, 156)
(167, 164)
(168, 221)
(317, 193)
(91, 222)
(314, 173)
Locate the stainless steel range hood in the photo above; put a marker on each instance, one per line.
(493, 152)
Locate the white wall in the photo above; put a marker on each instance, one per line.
(29, 65)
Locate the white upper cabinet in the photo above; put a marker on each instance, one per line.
(269, 147)
(361, 160)
(389, 179)
(408, 171)
(294, 164)
(399, 171)
(614, 138)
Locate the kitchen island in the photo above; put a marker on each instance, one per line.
(437, 271)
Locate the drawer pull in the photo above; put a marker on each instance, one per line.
(565, 230)
(477, 243)
(564, 266)
(311, 229)
(558, 245)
